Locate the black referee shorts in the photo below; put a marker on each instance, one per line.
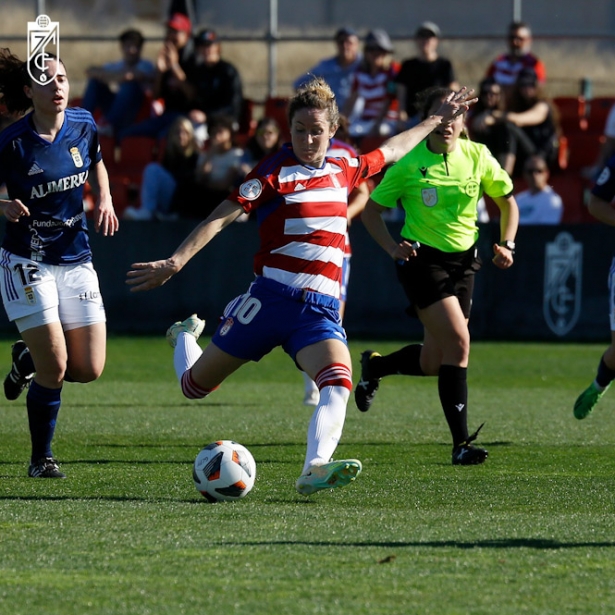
(433, 275)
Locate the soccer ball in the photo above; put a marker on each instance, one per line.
(224, 470)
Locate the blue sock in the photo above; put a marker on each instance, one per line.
(43, 406)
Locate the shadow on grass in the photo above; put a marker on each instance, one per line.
(493, 543)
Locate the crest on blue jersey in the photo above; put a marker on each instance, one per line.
(43, 38)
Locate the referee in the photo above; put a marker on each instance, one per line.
(439, 184)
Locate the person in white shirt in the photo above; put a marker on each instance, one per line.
(539, 204)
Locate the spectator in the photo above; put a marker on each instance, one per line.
(506, 67)
(118, 89)
(607, 147)
(167, 185)
(217, 83)
(533, 122)
(338, 70)
(539, 204)
(426, 70)
(485, 126)
(218, 168)
(266, 140)
(374, 85)
(171, 85)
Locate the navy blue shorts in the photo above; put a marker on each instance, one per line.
(272, 314)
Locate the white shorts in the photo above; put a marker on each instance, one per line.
(36, 294)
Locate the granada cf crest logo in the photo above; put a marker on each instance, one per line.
(563, 282)
(42, 34)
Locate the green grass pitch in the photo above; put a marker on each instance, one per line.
(530, 531)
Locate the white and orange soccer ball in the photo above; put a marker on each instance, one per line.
(224, 470)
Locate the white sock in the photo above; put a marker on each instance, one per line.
(310, 391)
(326, 426)
(186, 354)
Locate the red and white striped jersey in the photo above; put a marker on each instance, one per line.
(505, 68)
(301, 213)
(376, 91)
(341, 149)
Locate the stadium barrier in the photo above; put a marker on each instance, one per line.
(556, 289)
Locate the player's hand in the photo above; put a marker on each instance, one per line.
(15, 209)
(404, 251)
(145, 276)
(503, 257)
(105, 218)
(456, 103)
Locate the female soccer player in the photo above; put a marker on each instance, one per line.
(300, 199)
(439, 184)
(49, 287)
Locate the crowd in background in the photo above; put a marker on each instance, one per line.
(190, 99)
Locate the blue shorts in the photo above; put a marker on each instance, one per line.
(345, 277)
(272, 314)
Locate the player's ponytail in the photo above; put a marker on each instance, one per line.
(13, 77)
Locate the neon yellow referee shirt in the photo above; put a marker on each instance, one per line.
(440, 192)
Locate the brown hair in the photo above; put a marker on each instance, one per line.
(13, 77)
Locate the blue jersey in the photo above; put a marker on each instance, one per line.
(49, 178)
(605, 184)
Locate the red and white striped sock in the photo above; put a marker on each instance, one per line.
(191, 389)
(325, 429)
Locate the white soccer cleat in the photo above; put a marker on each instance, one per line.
(328, 476)
(193, 325)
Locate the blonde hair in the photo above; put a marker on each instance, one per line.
(315, 94)
(173, 148)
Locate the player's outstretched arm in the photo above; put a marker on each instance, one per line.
(145, 276)
(454, 104)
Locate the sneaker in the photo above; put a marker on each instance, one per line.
(46, 467)
(192, 325)
(466, 454)
(366, 388)
(328, 476)
(20, 375)
(587, 400)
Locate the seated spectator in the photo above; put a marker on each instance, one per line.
(607, 148)
(539, 204)
(171, 84)
(533, 122)
(484, 124)
(338, 70)
(167, 185)
(216, 82)
(218, 168)
(506, 67)
(118, 89)
(424, 71)
(266, 139)
(374, 85)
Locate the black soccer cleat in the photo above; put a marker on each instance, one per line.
(466, 454)
(365, 392)
(22, 371)
(46, 467)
